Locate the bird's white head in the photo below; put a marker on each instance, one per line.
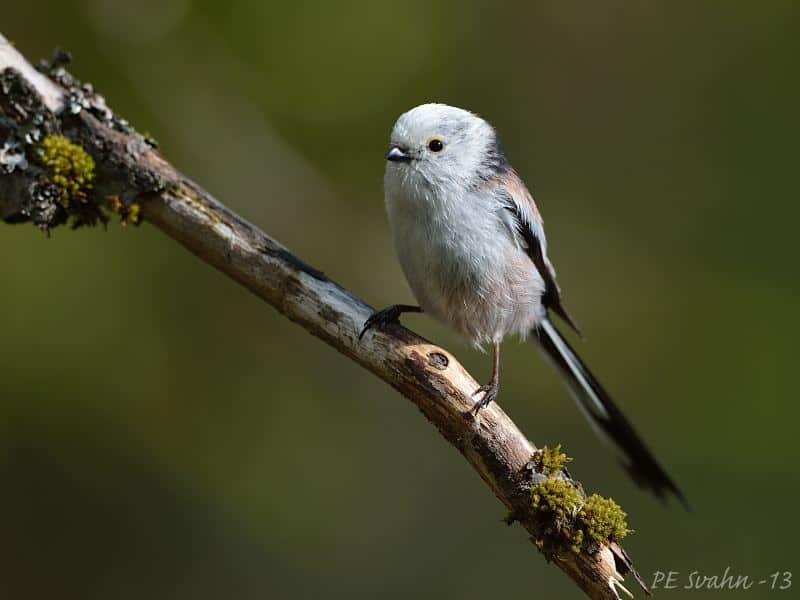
(440, 146)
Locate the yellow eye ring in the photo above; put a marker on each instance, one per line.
(435, 144)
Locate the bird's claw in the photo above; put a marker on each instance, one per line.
(490, 392)
(380, 319)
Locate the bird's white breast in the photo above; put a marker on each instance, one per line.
(461, 259)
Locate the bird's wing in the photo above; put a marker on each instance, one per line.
(522, 217)
(528, 225)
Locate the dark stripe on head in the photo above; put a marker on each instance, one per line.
(495, 162)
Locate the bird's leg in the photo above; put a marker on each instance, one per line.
(491, 389)
(387, 315)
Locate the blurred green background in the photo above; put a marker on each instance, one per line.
(160, 436)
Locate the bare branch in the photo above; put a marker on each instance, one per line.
(130, 175)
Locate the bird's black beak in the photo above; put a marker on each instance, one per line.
(397, 154)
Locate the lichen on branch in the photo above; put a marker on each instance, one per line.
(69, 168)
(57, 172)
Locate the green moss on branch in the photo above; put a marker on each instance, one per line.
(602, 519)
(549, 461)
(568, 518)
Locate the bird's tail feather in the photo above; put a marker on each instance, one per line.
(603, 414)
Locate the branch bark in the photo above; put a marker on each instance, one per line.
(130, 172)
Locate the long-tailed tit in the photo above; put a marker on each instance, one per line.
(471, 243)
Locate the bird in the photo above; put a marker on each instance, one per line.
(471, 243)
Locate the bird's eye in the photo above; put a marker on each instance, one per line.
(435, 145)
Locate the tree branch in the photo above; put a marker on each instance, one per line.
(131, 178)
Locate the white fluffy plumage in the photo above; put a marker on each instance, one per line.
(471, 243)
(455, 238)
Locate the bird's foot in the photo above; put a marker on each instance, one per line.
(490, 392)
(385, 316)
